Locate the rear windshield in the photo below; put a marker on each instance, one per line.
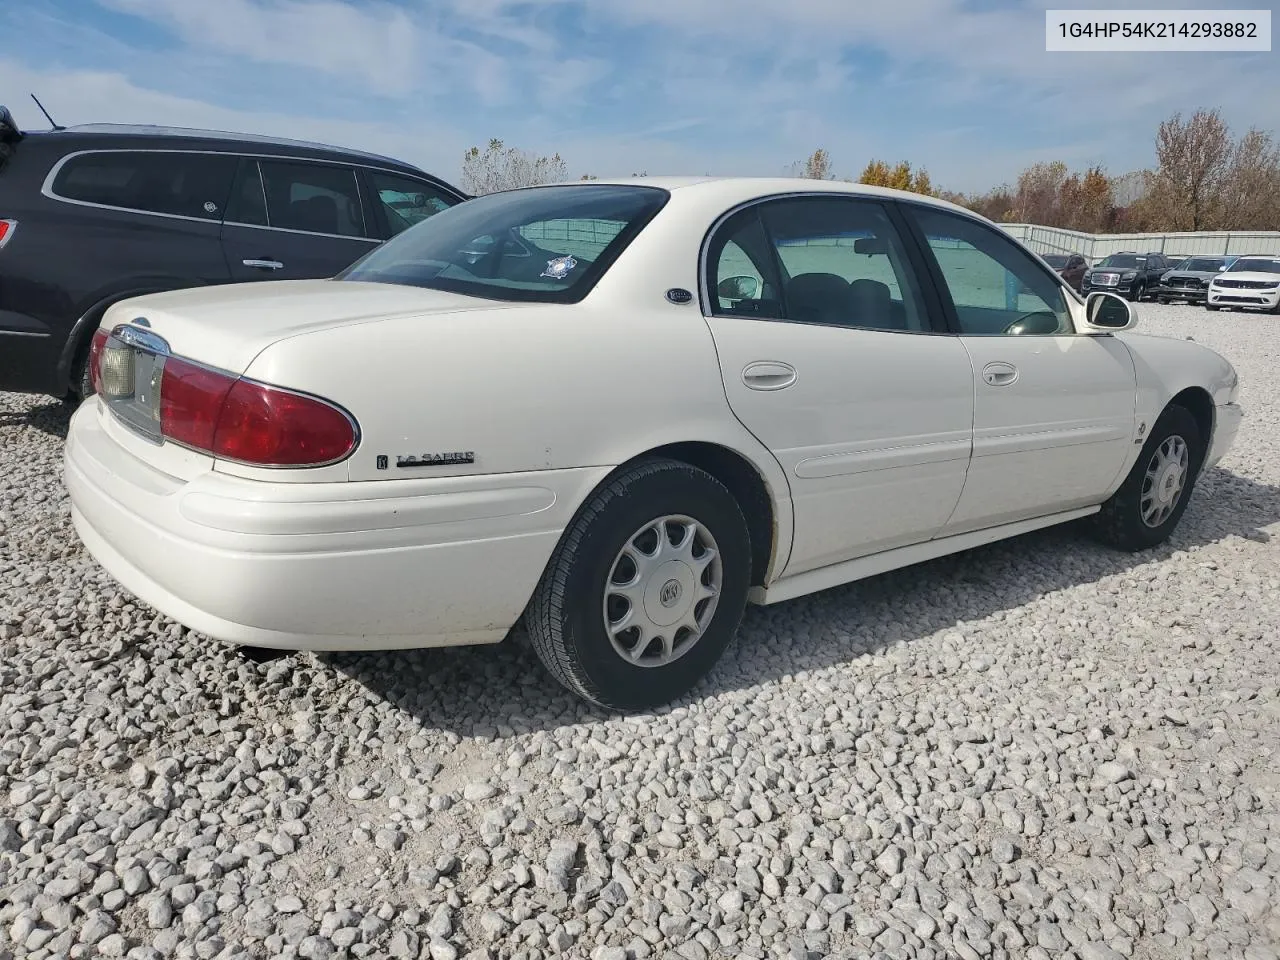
(1256, 265)
(1204, 264)
(545, 244)
(1123, 260)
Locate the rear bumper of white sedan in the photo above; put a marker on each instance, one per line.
(319, 566)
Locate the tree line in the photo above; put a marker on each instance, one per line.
(1205, 178)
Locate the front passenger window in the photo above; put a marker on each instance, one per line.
(997, 288)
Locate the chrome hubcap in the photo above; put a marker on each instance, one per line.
(662, 591)
(1165, 478)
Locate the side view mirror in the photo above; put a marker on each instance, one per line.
(738, 288)
(1108, 313)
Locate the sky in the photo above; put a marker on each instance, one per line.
(963, 88)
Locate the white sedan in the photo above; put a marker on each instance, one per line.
(621, 411)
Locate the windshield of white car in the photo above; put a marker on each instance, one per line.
(1205, 264)
(1123, 260)
(1255, 265)
(542, 245)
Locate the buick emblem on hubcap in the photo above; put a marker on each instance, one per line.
(670, 593)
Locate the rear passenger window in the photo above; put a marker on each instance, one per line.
(406, 202)
(313, 197)
(839, 262)
(248, 204)
(179, 184)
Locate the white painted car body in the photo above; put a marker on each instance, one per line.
(887, 449)
(1248, 289)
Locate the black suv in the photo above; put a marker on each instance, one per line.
(91, 215)
(1135, 275)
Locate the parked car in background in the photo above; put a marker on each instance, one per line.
(1189, 280)
(1133, 275)
(1252, 282)
(96, 214)
(1070, 266)
(447, 437)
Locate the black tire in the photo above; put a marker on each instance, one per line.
(1211, 308)
(1120, 522)
(1139, 292)
(565, 618)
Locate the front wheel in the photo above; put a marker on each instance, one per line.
(1151, 501)
(646, 588)
(1139, 292)
(1210, 307)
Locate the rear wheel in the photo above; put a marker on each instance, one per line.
(1151, 501)
(646, 588)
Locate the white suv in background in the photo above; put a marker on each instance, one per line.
(1252, 281)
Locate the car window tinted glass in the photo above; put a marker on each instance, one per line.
(406, 202)
(997, 287)
(837, 261)
(822, 240)
(248, 204)
(546, 244)
(1057, 259)
(1203, 264)
(1256, 265)
(180, 184)
(1123, 260)
(315, 197)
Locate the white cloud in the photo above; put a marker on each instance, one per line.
(96, 97)
(375, 43)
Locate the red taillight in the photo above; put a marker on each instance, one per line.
(190, 400)
(263, 425)
(95, 359)
(250, 422)
(7, 227)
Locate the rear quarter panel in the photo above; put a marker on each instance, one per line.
(544, 387)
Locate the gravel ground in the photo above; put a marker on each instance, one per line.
(1037, 749)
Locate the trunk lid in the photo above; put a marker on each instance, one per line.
(227, 326)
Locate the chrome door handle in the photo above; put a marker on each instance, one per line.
(769, 375)
(999, 374)
(264, 264)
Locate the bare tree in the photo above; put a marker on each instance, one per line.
(1194, 157)
(499, 167)
(1250, 197)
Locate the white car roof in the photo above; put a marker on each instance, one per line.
(733, 190)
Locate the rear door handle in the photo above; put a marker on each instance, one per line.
(264, 264)
(769, 375)
(999, 374)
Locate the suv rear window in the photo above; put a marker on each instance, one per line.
(151, 181)
(544, 244)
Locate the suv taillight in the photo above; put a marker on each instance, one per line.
(250, 422)
(7, 228)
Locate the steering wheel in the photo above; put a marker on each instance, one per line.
(1038, 322)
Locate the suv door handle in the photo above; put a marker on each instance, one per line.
(999, 374)
(264, 264)
(769, 375)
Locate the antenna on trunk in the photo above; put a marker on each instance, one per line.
(46, 113)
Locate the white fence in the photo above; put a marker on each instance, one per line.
(1094, 246)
